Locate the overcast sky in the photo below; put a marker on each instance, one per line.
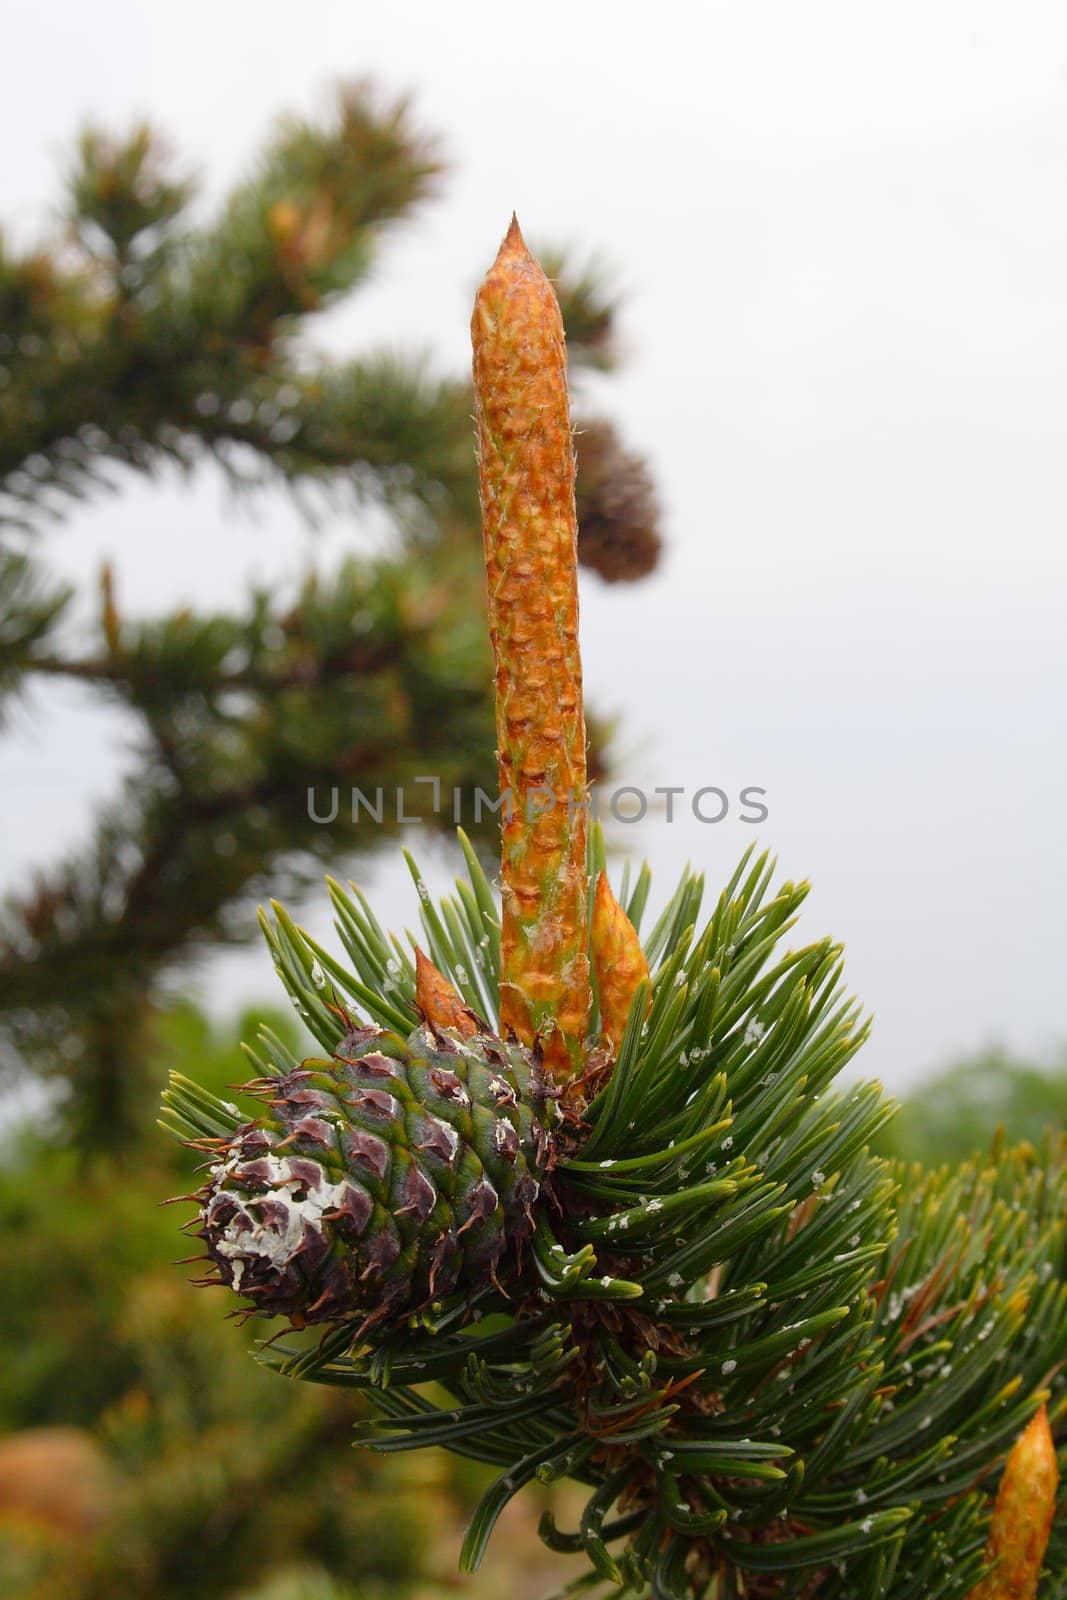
(842, 233)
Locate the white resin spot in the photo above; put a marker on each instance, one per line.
(279, 1239)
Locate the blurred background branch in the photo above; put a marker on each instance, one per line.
(142, 1452)
(141, 339)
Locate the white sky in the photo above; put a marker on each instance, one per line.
(843, 236)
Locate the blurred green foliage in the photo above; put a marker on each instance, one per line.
(964, 1104)
(84, 1236)
(176, 1467)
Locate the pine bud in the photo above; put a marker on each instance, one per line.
(526, 466)
(438, 1002)
(110, 624)
(618, 961)
(1022, 1520)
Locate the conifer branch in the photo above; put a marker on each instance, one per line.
(143, 340)
(779, 1367)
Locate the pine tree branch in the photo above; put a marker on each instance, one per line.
(144, 340)
(154, 349)
(32, 608)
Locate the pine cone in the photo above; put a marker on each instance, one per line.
(618, 518)
(380, 1178)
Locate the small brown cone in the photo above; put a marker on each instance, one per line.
(439, 1003)
(529, 525)
(1022, 1520)
(618, 961)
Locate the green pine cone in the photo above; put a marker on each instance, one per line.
(394, 1172)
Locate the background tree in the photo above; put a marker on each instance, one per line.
(960, 1109)
(139, 339)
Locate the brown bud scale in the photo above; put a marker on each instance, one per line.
(618, 961)
(438, 1001)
